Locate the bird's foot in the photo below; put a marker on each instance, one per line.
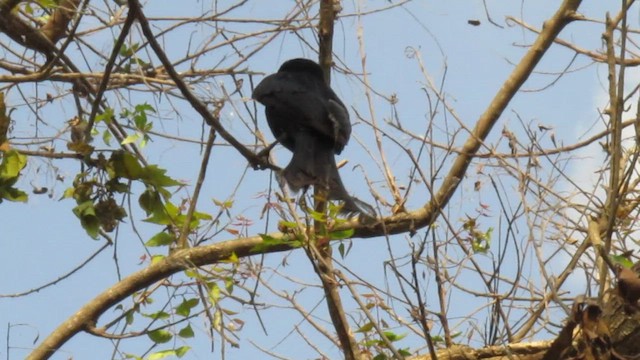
(261, 160)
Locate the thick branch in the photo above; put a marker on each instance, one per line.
(197, 105)
(323, 262)
(55, 28)
(178, 261)
(426, 215)
(328, 11)
(22, 33)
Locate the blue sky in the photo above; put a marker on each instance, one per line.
(42, 240)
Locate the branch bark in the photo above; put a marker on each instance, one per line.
(319, 249)
(55, 28)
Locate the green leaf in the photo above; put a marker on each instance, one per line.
(143, 142)
(214, 293)
(115, 186)
(140, 113)
(232, 259)
(288, 224)
(482, 241)
(186, 332)
(48, 4)
(404, 352)
(13, 194)
(68, 193)
(129, 317)
(195, 219)
(157, 258)
(143, 108)
(179, 352)
(106, 116)
(622, 260)
(192, 274)
(341, 249)
(370, 343)
(182, 350)
(12, 163)
(269, 242)
(125, 165)
(88, 219)
(130, 139)
(161, 239)
(161, 354)
(140, 121)
(150, 201)
(184, 309)
(160, 336)
(106, 137)
(159, 315)
(487, 235)
(227, 204)
(365, 328)
(393, 336)
(341, 234)
(167, 214)
(437, 339)
(127, 51)
(202, 216)
(229, 283)
(153, 175)
(317, 216)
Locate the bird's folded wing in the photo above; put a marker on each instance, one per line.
(306, 105)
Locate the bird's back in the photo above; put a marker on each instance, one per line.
(301, 102)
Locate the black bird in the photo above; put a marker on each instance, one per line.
(309, 119)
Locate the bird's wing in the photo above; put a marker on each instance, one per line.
(306, 103)
(339, 116)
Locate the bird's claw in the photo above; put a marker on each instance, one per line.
(261, 159)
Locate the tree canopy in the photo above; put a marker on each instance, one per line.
(496, 142)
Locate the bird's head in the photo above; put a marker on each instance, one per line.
(302, 66)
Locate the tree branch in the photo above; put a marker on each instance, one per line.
(255, 161)
(178, 261)
(320, 249)
(425, 216)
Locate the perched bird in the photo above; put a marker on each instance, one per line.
(308, 118)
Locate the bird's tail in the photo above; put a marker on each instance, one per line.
(313, 163)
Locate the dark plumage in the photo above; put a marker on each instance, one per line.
(308, 118)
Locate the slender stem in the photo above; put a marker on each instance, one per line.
(184, 234)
